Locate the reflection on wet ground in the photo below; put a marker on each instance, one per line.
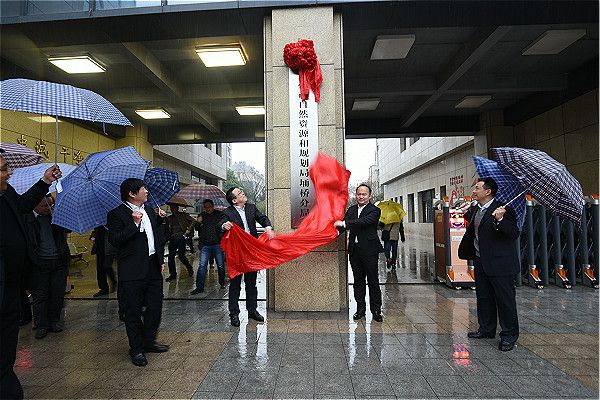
(419, 351)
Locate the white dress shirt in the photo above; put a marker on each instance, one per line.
(145, 226)
(242, 211)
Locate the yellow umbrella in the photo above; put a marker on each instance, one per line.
(391, 212)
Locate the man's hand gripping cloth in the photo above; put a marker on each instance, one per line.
(245, 253)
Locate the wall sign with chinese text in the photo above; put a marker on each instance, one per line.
(304, 145)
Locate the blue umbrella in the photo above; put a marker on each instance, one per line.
(58, 100)
(93, 189)
(162, 184)
(24, 178)
(508, 186)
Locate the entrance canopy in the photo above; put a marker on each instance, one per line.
(461, 59)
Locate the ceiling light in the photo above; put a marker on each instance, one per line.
(369, 104)
(473, 101)
(222, 56)
(250, 110)
(392, 47)
(553, 42)
(155, 113)
(77, 65)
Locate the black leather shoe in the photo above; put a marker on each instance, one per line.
(358, 314)
(190, 271)
(506, 346)
(139, 360)
(235, 320)
(157, 348)
(100, 293)
(171, 278)
(196, 291)
(480, 335)
(377, 316)
(55, 327)
(222, 286)
(41, 333)
(255, 315)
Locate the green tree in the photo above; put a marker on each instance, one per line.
(232, 181)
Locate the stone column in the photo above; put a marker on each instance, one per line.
(137, 136)
(316, 281)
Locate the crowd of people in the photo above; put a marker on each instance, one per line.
(136, 234)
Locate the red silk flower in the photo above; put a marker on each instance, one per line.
(302, 59)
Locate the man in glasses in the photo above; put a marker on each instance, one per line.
(245, 215)
(15, 247)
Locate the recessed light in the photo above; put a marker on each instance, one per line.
(554, 41)
(473, 101)
(250, 110)
(392, 47)
(77, 65)
(221, 56)
(155, 113)
(367, 104)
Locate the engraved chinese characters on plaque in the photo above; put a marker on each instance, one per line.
(304, 145)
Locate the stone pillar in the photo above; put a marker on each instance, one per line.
(137, 136)
(316, 281)
(493, 133)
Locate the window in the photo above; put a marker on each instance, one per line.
(402, 144)
(426, 205)
(220, 149)
(411, 207)
(442, 191)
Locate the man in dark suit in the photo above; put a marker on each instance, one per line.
(15, 250)
(364, 248)
(245, 215)
(132, 229)
(491, 242)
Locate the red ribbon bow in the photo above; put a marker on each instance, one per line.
(302, 58)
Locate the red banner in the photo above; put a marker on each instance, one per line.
(246, 253)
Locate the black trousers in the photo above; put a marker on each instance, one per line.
(142, 324)
(104, 269)
(48, 290)
(366, 267)
(235, 286)
(10, 387)
(177, 248)
(496, 300)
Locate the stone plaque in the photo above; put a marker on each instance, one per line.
(304, 145)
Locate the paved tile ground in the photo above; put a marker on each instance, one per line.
(419, 351)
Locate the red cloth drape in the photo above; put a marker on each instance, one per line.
(246, 253)
(302, 59)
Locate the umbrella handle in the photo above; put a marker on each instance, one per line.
(516, 197)
(123, 202)
(56, 141)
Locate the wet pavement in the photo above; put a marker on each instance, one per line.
(419, 351)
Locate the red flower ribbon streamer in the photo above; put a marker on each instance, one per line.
(245, 253)
(302, 59)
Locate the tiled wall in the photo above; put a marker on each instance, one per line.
(569, 133)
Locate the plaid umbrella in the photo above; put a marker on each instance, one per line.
(201, 192)
(58, 100)
(19, 156)
(24, 178)
(508, 186)
(162, 184)
(546, 179)
(93, 189)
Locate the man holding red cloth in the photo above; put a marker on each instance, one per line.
(244, 215)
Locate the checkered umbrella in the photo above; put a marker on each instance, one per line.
(19, 156)
(58, 100)
(93, 189)
(546, 179)
(508, 186)
(162, 184)
(201, 192)
(24, 178)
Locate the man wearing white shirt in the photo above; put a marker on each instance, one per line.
(132, 230)
(364, 247)
(245, 215)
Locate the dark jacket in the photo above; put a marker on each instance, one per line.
(131, 244)
(60, 241)
(209, 231)
(20, 205)
(363, 227)
(498, 249)
(253, 215)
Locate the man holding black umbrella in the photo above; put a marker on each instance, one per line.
(15, 247)
(490, 241)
